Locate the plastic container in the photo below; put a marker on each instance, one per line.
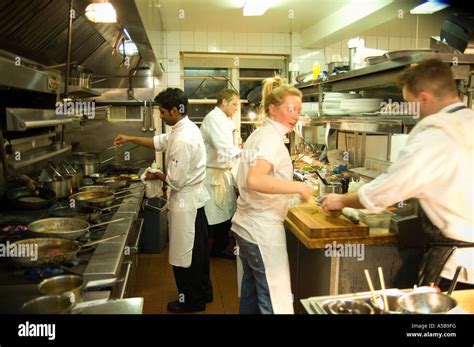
(378, 223)
(155, 226)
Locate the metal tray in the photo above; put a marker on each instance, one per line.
(394, 55)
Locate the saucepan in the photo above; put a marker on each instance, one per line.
(66, 228)
(71, 285)
(50, 251)
(48, 304)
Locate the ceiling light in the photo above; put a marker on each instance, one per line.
(429, 7)
(256, 7)
(252, 115)
(101, 12)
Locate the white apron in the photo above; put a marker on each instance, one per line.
(271, 241)
(183, 206)
(222, 204)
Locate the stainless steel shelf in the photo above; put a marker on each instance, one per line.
(37, 156)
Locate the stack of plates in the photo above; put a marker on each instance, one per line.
(332, 103)
(355, 107)
(309, 108)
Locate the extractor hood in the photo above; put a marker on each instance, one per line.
(19, 119)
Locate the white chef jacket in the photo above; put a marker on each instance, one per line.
(216, 130)
(436, 167)
(267, 142)
(185, 159)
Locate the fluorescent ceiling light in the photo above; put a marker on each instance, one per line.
(429, 7)
(256, 7)
(125, 31)
(101, 12)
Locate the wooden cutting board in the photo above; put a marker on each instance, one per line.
(311, 219)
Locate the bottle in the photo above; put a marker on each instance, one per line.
(316, 70)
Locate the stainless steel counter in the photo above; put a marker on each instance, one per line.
(107, 259)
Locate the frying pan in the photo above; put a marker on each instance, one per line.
(88, 213)
(115, 181)
(99, 198)
(26, 199)
(51, 251)
(66, 228)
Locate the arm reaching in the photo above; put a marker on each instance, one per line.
(141, 141)
(258, 179)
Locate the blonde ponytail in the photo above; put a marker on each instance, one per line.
(274, 91)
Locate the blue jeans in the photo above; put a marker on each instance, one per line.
(254, 293)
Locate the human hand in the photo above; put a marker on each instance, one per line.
(120, 139)
(306, 192)
(332, 204)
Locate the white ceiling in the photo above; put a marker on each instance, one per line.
(226, 15)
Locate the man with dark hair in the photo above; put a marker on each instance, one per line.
(185, 163)
(436, 167)
(216, 130)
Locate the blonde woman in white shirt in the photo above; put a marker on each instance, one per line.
(265, 183)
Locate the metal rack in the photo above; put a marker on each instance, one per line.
(380, 78)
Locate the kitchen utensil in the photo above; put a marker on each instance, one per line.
(23, 198)
(51, 251)
(353, 219)
(322, 178)
(375, 59)
(77, 176)
(71, 285)
(99, 199)
(394, 55)
(350, 307)
(67, 228)
(426, 303)
(145, 118)
(48, 304)
(382, 285)
(115, 181)
(371, 287)
(150, 112)
(379, 304)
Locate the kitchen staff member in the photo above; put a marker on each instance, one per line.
(436, 166)
(265, 183)
(185, 159)
(216, 130)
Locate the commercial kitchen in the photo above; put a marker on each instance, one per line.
(75, 74)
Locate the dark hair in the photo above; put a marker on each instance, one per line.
(430, 75)
(172, 97)
(226, 94)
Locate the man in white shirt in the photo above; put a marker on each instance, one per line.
(185, 163)
(216, 130)
(436, 166)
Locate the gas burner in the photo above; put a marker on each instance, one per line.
(44, 272)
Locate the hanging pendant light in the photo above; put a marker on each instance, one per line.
(101, 12)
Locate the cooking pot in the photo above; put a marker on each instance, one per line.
(72, 286)
(80, 77)
(61, 186)
(393, 305)
(89, 163)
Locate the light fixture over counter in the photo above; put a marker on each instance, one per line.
(256, 7)
(101, 12)
(429, 7)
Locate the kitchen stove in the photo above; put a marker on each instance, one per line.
(103, 261)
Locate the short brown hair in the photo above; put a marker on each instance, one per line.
(226, 94)
(275, 90)
(430, 75)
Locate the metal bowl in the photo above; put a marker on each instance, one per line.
(426, 303)
(48, 304)
(349, 307)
